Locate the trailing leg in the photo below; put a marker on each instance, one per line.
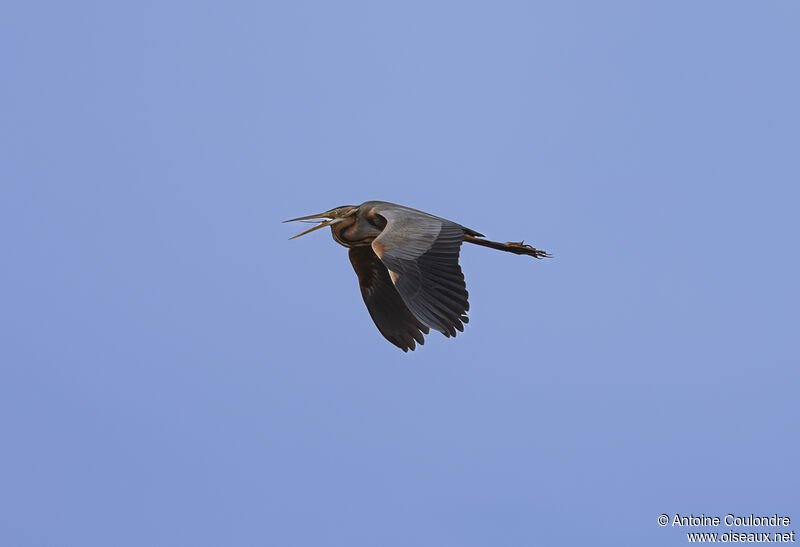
(516, 248)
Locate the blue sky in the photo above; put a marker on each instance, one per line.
(175, 372)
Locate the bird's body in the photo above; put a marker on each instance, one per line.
(407, 266)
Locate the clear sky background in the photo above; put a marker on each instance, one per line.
(175, 372)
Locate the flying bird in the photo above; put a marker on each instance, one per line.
(407, 266)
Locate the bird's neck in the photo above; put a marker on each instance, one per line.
(354, 232)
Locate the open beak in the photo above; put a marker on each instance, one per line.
(322, 223)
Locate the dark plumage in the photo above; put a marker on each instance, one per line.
(407, 266)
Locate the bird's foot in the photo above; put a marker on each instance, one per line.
(522, 249)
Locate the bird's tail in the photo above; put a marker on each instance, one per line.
(516, 248)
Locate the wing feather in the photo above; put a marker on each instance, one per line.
(421, 252)
(385, 305)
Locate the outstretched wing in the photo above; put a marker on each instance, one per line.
(386, 307)
(421, 253)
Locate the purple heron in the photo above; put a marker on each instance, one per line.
(407, 266)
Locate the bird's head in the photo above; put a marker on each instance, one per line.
(334, 216)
